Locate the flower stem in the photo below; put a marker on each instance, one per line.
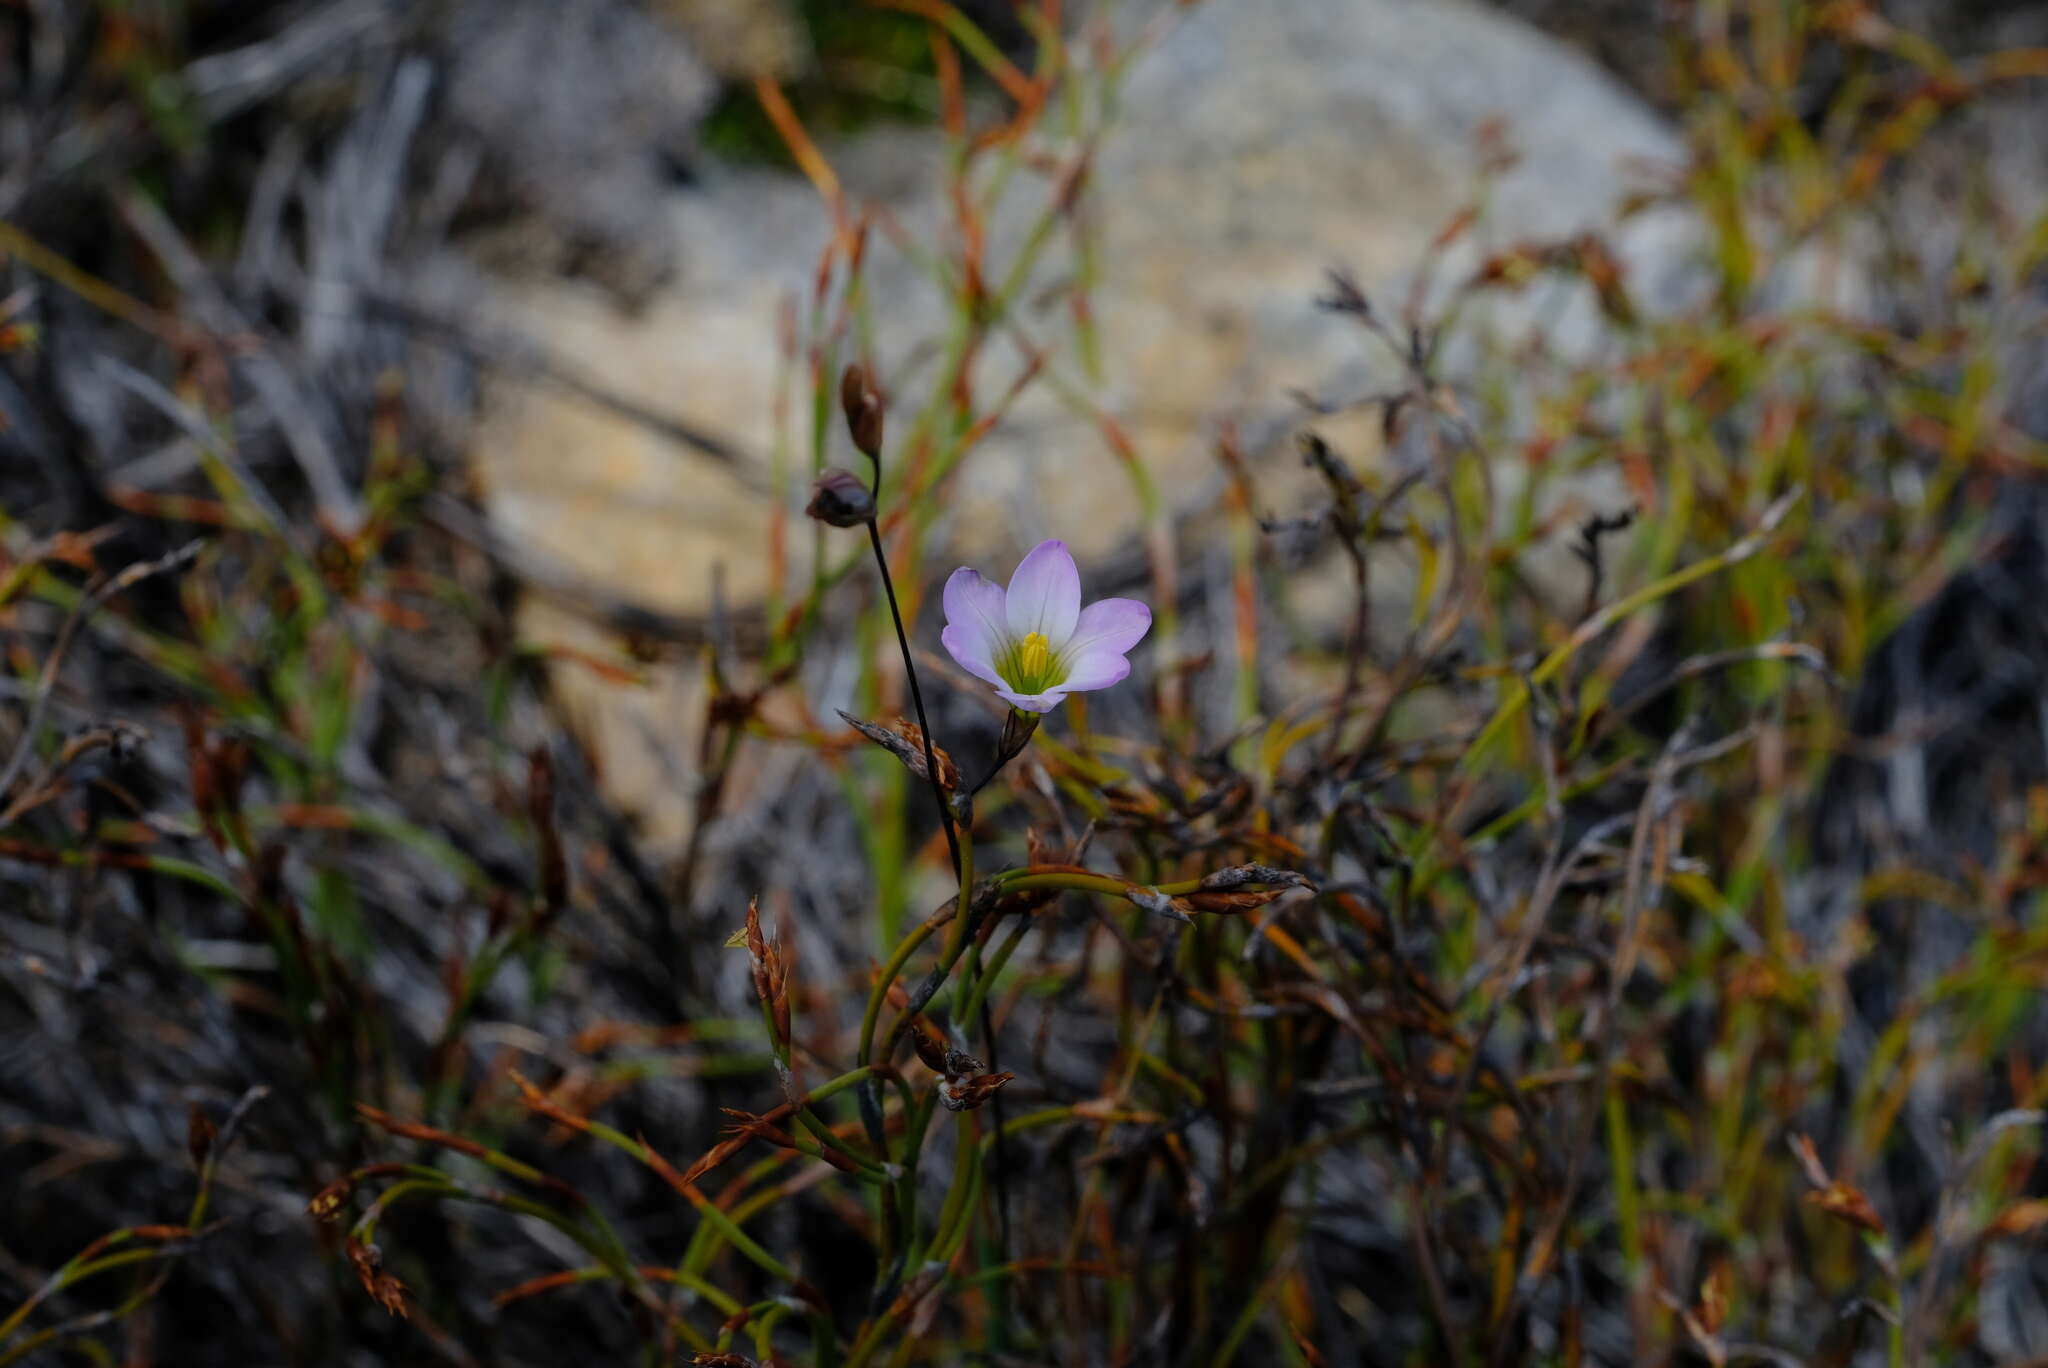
(924, 726)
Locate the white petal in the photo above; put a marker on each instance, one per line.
(1098, 669)
(975, 633)
(1045, 595)
(1111, 624)
(1037, 703)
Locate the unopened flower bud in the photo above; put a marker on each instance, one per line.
(862, 405)
(200, 1133)
(929, 1049)
(838, 497)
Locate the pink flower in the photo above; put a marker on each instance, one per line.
(1034, 641)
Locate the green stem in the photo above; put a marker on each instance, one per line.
(880, 992)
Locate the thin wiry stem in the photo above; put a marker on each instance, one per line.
(924, 726)
(24, 747)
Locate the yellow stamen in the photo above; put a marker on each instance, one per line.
(1034, 656)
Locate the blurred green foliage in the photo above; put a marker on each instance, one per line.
(868, 66)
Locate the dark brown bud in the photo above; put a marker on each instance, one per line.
(199, 1134)
(759, 957)
(838, 497)
(862, 404)
(929, 1048)
(501, 911)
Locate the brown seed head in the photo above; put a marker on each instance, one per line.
(328, 1201)
(390, 1294)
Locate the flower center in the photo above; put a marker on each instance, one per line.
(1032, 665)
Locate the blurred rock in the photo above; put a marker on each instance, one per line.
(1258, 145)
(743, 38)
(575, 117)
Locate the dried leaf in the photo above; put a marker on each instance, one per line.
(904, 740)
(366, 1260)
(2022, 1218)
(965, 1094)
(414, 1130)
(1238, 875)
(1846, 1203)
(1157, 903)
(1712, 1311)
(1225, 903)
(1809, 1160)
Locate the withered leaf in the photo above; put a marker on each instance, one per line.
(390, 1294)
(1845, 1203)
(2022, 1218)
(904, 740)
(1238, 875)
(1158, 903)
(1231, 902)
(966, 1094)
